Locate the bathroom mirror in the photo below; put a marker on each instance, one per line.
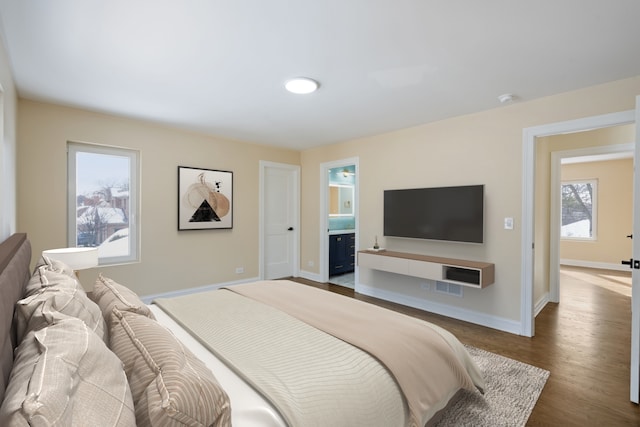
(340, 200)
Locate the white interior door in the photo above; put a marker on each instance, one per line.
(280, 220)
(635, 272)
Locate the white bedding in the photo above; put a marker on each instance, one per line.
(248, 407)
(431, 362)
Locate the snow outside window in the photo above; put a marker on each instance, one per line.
(579, 213)
(103, 201)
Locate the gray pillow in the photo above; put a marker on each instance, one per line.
(64, 375)
(53, 303)
(50, 272)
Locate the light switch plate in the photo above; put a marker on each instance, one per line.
(508, 223)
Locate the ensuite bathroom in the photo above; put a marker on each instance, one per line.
(342, 224)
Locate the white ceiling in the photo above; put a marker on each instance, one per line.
(218, 66)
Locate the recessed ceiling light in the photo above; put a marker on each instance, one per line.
(301, 85)
(506, 98)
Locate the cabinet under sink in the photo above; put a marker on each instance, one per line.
(342, 254)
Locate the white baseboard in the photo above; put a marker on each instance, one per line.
(540, 304)
(147, 299)
(594, 264)
(470, 316)
(310, 276)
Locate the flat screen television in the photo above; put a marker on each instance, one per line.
(438, 213)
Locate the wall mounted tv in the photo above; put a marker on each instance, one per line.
(438, 213)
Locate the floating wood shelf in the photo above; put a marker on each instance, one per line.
(462, 272)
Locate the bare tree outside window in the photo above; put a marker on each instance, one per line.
(579, 210)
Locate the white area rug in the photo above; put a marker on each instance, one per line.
(512, 391)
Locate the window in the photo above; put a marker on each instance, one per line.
(579, 210)
(103, 201)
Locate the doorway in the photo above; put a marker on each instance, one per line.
(342, 188)
(530, 139)
(279, 220)
(582, 158)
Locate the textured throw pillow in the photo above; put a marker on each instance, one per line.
(64, 375)
(53, 303)
(57, 266)
(170, 386)
(109, 294)
(50, 272)
(43, 278)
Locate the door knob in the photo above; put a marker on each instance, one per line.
(630, 236)
(290, 229)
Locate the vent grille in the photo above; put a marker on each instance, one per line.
(449, 288)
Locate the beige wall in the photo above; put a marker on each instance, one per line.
(544, 147)
(614, 212)
(483, 148)
(170, 260)
(8, 107)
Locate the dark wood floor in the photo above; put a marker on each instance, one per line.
(584, 341)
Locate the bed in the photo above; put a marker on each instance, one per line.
(269, 353)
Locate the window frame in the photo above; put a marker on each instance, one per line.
(134, 199)
(594, 210)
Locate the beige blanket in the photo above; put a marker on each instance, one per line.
(291, 342)
(312, 378)
(429, 364)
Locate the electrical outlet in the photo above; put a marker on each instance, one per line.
(239, 270)
(425, 286)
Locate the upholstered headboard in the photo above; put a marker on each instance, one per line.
(15, 258)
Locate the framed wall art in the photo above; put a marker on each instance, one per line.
(205, 199)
